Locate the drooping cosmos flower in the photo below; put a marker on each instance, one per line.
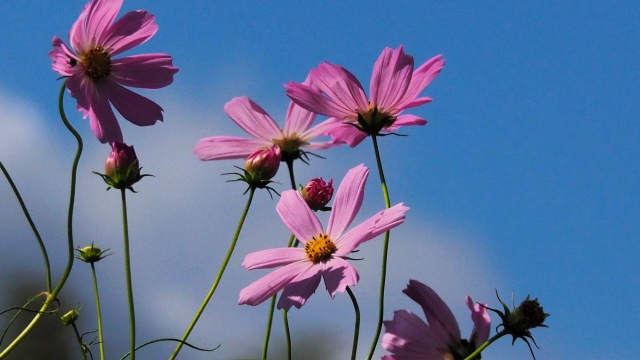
(409, 337)
(325, 252)
(96, 78)
(394, 87)
(297, 132)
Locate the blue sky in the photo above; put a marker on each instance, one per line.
(525, 179)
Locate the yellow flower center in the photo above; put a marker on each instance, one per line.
(97, 63)
(289, 144)
(320, 248)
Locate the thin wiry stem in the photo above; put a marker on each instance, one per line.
(43, 249)
(72, 195)
(385, 249)
(98, 311)
(127, 267)
(232, 246)
(356, 328)
(476, 353)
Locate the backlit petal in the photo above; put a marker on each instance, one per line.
(313, 100)
(341, 86)
(62, 57)
(148, 71)
(347, 201)
(270, 284)
(420, 79)
(100, 16)
(133, 107)
(227, 147)
(270, 258)
(298, 217)
(406, 120)
(439, 316)
(481, 322)
(391, 77)
(300, 288)
(252, 118)
(131, 30)
(338, 274)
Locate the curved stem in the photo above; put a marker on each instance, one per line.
(385, 249)
(485, 345)
(232, 246)
(43, 249)
(127, 268)
(356, 328)
(82, 347)
(72, 195)
(98, 312)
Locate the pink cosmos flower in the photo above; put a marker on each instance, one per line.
(96, 79)
(407, 337)
(297, 132)
(394, 87)
(325, 252)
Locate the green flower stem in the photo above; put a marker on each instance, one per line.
(287, 333)
(82, 347)
(127, 268)
(232, 246)
(72, 195)
(383, 276)
(285, 319)
(356, 328)
(485, 345)
(98, 312)
(43, 249)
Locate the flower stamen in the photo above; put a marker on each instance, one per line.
(97, 63)
(320, 248)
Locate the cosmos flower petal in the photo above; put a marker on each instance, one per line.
(312, 99)
(132, 29)
(61, 56)
(270, 284)
(379, 223)
(338, 274)
(133, 107)
(481, 322)
(406, 120)
(227, 147)
(147, 71)
(409, 337)
(421, 78)
(347, 133)
(270, 258)
(301, 288)
(298, 119)
(391, 78)
(341, 86)
(439, 316)
(252, 118)
(100, 16)
(347, 200)
(297, 216)
(102, 120)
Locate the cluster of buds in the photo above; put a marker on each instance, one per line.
(121, 169)
(317, 194)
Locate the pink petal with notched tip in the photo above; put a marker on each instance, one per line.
(405, 120)
(347, 201)
(341, 86)
(132, 29)
(421, 78)
(338, 274)
(133, 107)
(379, 223)
(270, 284)
(297, 216)
(227, 147)
(391, 78)
(252, 118)
(148, 71)
(481, 322)
(439, 316)
(301, 288)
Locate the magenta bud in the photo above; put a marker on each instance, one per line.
(317, 193)
(264, 163)
(122, 169)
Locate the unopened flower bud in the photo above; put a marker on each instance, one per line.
(70, 317)
(91, 254)
(264, 163)
(317, 193)
(121, 168)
